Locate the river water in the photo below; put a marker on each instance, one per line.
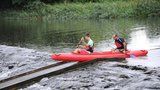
(62, 36)
(27, 45)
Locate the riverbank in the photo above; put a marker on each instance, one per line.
(101, 10)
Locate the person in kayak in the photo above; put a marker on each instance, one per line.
(120, 43)
(87, 46)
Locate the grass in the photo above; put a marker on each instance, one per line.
(105, 10)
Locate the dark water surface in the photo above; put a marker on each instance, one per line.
(62, 36)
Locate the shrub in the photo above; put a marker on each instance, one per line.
(147, 8)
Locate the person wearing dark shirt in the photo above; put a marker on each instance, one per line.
(120, 43)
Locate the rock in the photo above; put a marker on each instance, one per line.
(108, 85)
(157, 34)
(124, 76)
(86, 86)
(151, 72)
(138, 68)
(147, 79)
(21, 64)
(109, 80)
(103, 81)
(10, 67)
(132, 67)
(37, 86)
(155, 86)
(122, 65)
(85, 81)
(70, 87)
(57, 87)
(45, 84)
(44, 79)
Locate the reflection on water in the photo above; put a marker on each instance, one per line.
(62, 36)
(45, 35)
(151, 60)
(140, 40)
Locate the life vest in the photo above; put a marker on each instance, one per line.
(119, 43)
(90, 46)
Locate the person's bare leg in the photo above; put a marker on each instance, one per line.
(112, 50)
(76, 51)
(122, 50)
(115, 50)
(81, 46)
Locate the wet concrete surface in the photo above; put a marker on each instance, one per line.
(100, 75)
(16, 60)
(103, 75)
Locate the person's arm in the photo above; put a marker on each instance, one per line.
(81, 46)
(80, 42)
(125, 45)
(84, 43)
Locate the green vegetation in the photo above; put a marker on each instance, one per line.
(77, 9)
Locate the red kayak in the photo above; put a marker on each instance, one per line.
(97, 55)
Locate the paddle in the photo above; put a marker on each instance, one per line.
(130, 55)
(80, 42)
(154, 48)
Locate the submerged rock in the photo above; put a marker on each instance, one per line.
(44, 79)
(132, 67)
(151, 72)
(124, 76)
(37, 87)
(108, 85)
(10, 67)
